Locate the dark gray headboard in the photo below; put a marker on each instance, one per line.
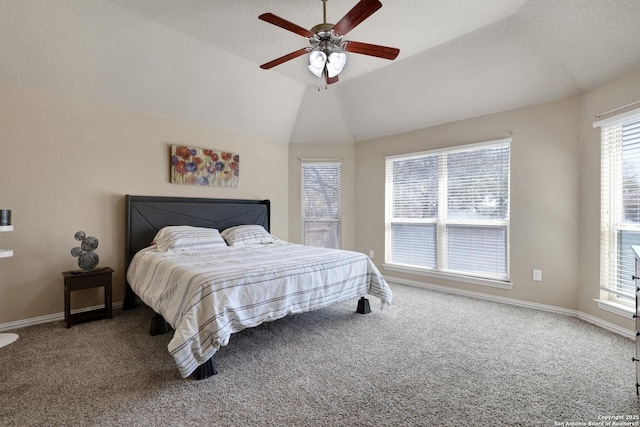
(146, 215)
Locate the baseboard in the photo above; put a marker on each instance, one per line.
(10, 326)
(543, 307)
(607, 325)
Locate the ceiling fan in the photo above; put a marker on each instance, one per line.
(327, 52)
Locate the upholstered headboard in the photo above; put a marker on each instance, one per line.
(146, 215)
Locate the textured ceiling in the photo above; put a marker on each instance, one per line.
(198, 60)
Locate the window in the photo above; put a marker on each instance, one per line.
(620, 205)
(321, 207)
(448, 210)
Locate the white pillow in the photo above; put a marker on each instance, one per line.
(242, 235)
(188, 238)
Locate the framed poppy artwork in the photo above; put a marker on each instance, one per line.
(200, 166)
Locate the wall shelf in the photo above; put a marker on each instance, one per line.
(6, 253)
(6, 339)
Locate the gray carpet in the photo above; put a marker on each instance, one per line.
(432, 359)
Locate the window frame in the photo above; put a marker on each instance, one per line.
(334, 163)
(612, 223)
(442, 221)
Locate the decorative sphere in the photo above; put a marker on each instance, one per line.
(76, 252)
(88, 260)
(89, 243)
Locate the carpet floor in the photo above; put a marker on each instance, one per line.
(431, 359)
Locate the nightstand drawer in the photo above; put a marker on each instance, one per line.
(85, 281)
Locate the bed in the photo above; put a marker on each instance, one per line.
(206, 290)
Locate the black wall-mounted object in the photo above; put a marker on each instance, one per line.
(5, 217)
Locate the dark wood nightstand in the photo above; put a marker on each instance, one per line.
(74, 280)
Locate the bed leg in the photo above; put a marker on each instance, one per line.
(205, 370)
(159, 326)
(363, 306)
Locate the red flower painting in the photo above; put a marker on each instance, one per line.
(200, 166)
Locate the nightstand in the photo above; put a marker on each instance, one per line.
(76, 280)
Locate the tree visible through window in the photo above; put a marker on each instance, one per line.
(321, 204)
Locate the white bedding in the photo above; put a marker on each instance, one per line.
(208, 295)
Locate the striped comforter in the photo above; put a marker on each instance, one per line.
(208, 295)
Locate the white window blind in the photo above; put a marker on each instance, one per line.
(448, 210)
(321, 203)
(620, 204)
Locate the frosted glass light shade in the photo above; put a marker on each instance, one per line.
(337, 61)
(317, 60)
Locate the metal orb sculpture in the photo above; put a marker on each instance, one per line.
(87, 259)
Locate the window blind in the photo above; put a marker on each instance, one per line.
(321, 203)
(448, 210)
(620, 204)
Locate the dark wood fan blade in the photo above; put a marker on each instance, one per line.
(360, 12)
(283, 23)
(371, 49)
(284, 58)
(330, 80)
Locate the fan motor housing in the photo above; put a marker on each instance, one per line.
(324, 38)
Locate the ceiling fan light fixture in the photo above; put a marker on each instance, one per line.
(317, 61)
(327, 56)
(337, 61)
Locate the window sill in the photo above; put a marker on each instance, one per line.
(449, 276)
(615, 308)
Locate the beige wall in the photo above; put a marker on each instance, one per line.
(65, 165)
(544, 195)
(555, 184)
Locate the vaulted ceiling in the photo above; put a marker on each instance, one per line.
(198, 60)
